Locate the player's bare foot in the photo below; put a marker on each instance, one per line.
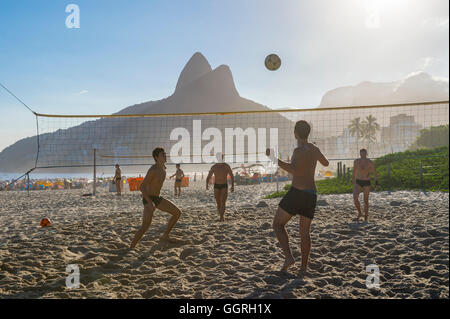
(288, 263)
(357, 218)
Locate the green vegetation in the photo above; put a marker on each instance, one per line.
(432, 137)
(404, 173)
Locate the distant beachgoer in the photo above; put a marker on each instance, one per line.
(118, 180)
(150, 189)
(362, 167)
(179, 175)
(220, 171)
(301, 197)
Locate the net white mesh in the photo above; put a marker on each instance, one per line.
(241, 136)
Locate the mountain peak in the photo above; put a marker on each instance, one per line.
(417, 86)
(196, 67)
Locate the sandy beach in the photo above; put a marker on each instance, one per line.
(407, 238)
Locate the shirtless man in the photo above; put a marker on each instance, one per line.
(151, 188)
(179, 174)
(362, 167)
(118, 180)
(301, 197)
(220, 171)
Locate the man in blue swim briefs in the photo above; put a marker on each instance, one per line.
(150, 189)
(301, 197)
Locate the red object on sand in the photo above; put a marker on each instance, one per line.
(45, 222)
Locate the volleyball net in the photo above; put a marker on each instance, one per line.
(65, 141)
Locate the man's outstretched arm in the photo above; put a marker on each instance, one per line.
(283, 165)
(208, 178)
(375, 176)
(288, 167)
(355, 168)
(322, 159)
(230, 172)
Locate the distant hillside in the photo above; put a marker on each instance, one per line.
(415, 87)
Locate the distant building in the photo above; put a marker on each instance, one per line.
(347, 144)
(400, 134)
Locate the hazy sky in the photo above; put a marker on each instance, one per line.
(128, 52)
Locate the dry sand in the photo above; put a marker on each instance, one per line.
(407, 238)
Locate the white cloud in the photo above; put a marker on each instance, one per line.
(441, 79)
(83, 92)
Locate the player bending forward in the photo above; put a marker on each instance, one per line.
(151, 188)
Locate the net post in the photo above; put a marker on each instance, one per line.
(339, 169)
(339, 172)
(421, 175)
(28, 184)
(277, 177)
(95, 172)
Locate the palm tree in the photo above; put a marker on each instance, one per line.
(370, 128)
(356, 128)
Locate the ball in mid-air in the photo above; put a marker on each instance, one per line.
(272, 62)
(45, 222)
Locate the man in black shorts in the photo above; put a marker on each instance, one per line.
(118, 180)
(150, 189)
(362, 168)
(301, 197)
(179, 175)
(221, 171)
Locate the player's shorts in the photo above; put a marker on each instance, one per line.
(220, 186)
(363, 183)
(301, 202)
(155, 199)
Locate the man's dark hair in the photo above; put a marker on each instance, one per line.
(363, 150)
(156, 152)
(178, 165)
(302, 128)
